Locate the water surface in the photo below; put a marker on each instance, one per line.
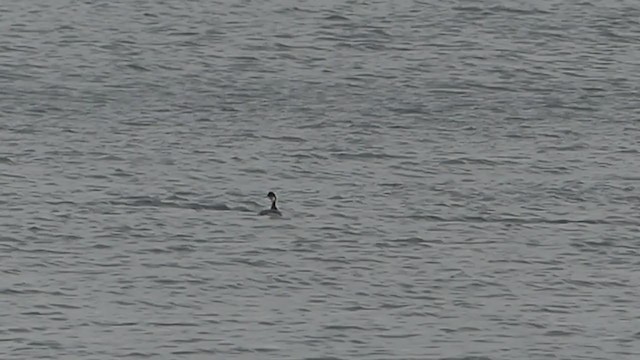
(459, 180)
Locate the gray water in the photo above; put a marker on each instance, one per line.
(460, 179)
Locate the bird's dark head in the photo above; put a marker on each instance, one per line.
(271, 195)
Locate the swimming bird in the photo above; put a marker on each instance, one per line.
(274, 209)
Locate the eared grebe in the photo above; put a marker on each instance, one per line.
(274, 209)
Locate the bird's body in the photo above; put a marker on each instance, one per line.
(273, 211)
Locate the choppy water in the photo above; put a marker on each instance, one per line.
(460, 179)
